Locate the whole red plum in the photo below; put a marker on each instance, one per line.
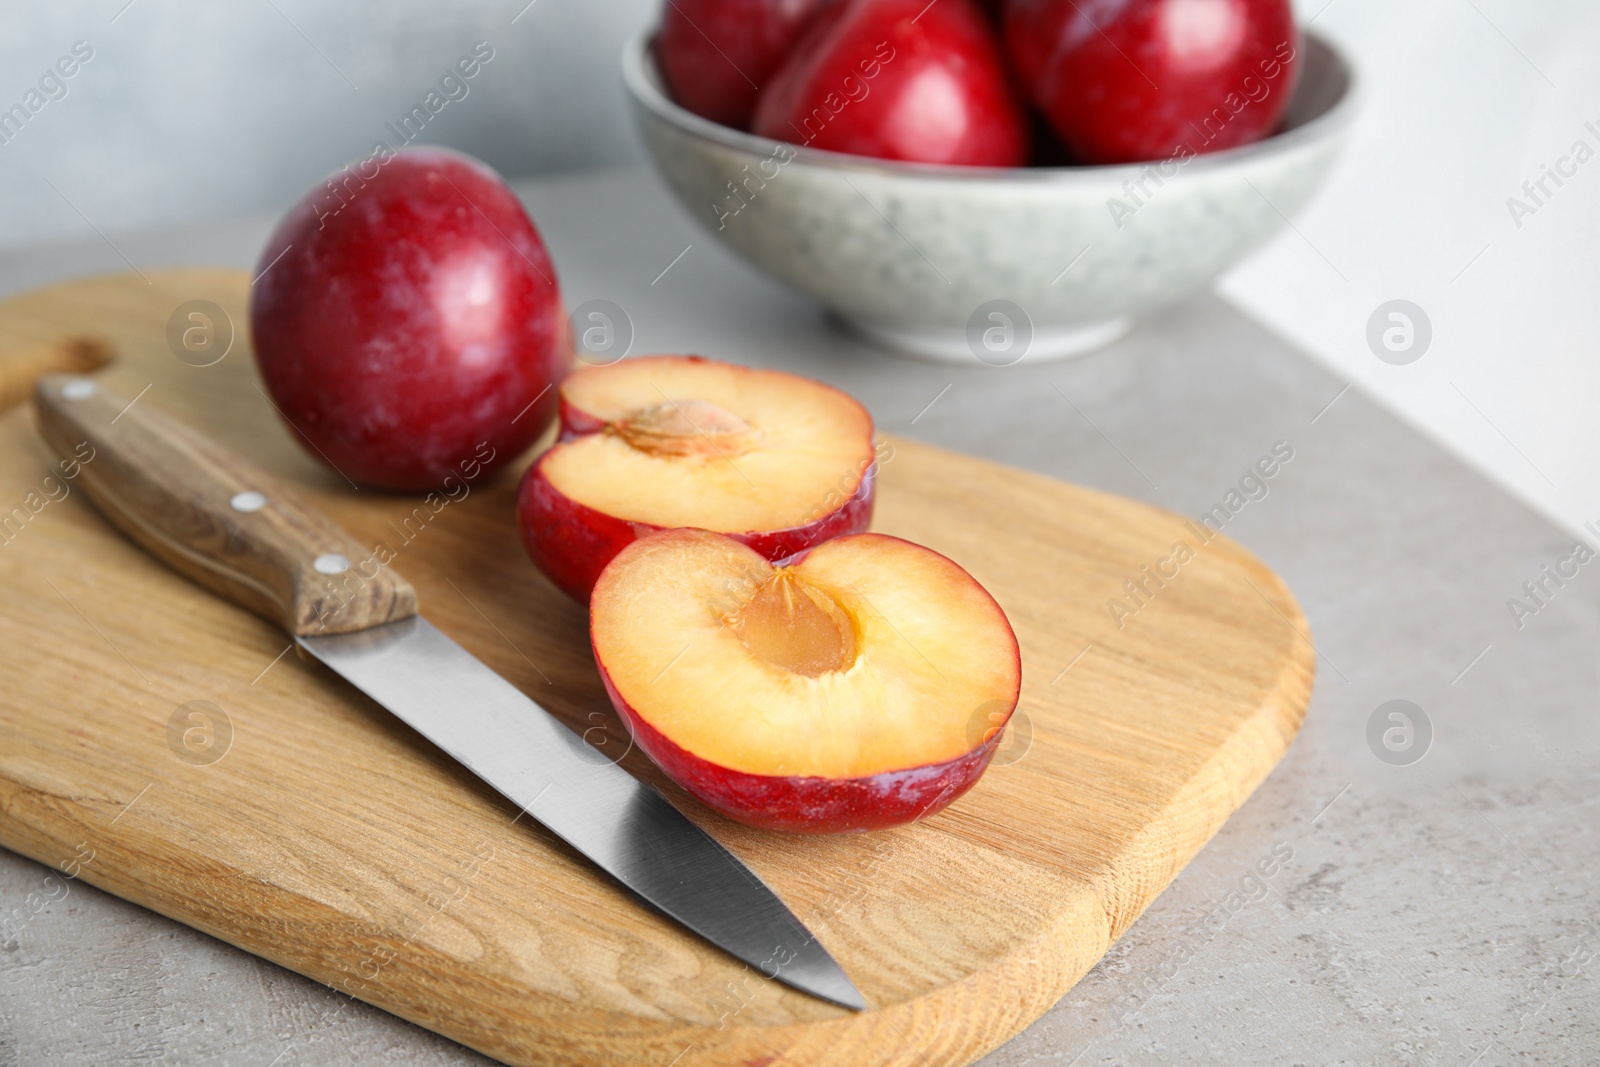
(1122, 81)
(407, 321)
(899, 79)
(716, 54)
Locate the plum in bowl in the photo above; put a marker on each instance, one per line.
(984, 263)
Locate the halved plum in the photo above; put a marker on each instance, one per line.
(861, 685)
(774, 460)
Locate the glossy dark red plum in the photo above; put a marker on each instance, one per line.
(899, 79)
(716, 54)
(1128, 80)
(407, 320)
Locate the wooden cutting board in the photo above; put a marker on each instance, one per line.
(331, 839)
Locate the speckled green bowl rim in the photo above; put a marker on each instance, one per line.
(640, 76)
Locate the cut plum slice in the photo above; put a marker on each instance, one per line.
(778, 461)
(857, 686)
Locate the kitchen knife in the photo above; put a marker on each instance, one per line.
(216, 519)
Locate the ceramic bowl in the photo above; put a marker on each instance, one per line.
(964, 263)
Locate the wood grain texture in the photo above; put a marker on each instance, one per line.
(174, 492)
(331, 839)
(24, 361)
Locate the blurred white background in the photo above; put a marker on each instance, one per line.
(1465, 100)
(192, 112)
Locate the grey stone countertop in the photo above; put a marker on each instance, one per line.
(1442, 911)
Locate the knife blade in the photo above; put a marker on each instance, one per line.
(623, 825)
(220, 521)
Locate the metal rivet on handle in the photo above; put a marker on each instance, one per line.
(331, 563)
(250, 500)
(79, 389)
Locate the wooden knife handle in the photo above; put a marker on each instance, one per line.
(213, 517)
